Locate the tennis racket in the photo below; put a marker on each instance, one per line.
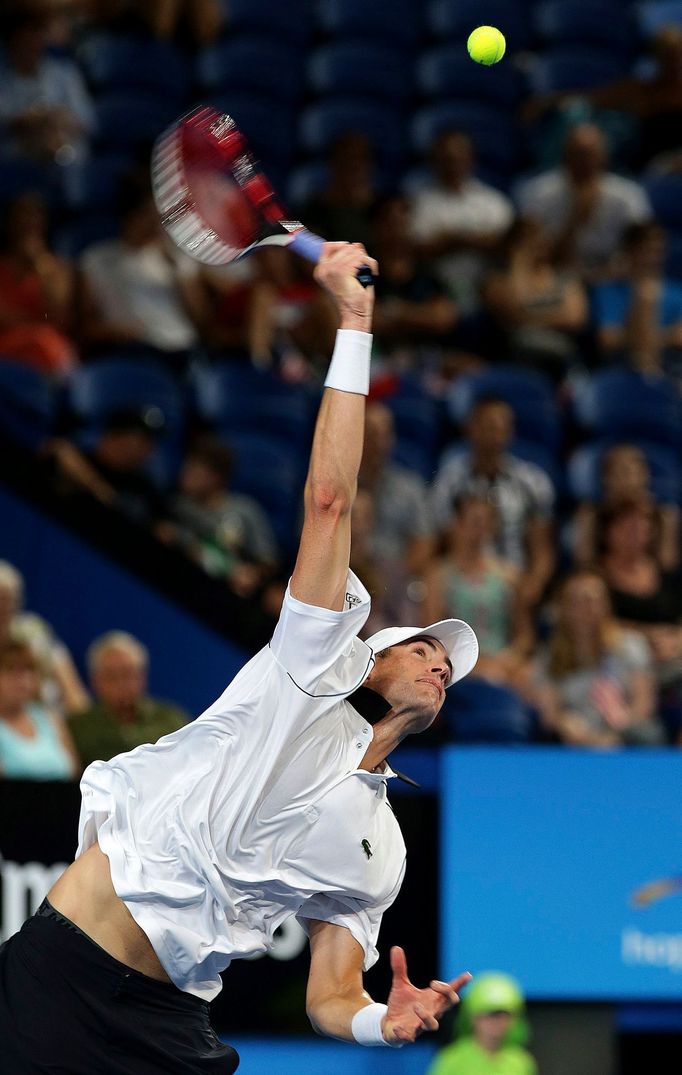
(214, 200)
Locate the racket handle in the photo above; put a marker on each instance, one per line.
(309, 246)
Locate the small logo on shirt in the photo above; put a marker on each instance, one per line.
(352, 600)
(366, 847)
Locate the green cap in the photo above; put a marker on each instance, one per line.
(493, 993)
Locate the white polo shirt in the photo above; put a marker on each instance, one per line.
(257, 810)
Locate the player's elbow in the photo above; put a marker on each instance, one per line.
(328, 499)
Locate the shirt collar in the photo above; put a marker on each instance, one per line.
(372, 706)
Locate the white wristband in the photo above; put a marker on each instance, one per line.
(366, 1026)
(349, 367)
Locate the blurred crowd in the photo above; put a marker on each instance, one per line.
(513, 315)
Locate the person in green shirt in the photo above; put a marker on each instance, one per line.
(122, 716)
(491, 1030)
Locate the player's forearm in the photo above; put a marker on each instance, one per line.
(333, 1016)
(339, 431)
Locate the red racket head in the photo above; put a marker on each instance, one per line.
(213, 199)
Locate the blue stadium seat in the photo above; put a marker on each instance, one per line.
(476, 711)
(252, 62)
(418, 421)
(126, 62)
(93, 184)
(447, 71)
(323, 122)
(267, 124)
(289, 23)
(529, 394)
(625, 404)
(397, 21)
(575, 69)
(240, 399)
(72, 238)
(673, 262)
(333, 69)
(494, 133)
(274, 477)
(129, 120)
(599, 24)
(28, 403)
(584, 470)
(665, 195)
(19, 175)
(654, 14)
(306, 182)
(456, 19)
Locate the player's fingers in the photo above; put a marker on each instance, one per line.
(460, 981)
(398, 962)
(446, 991)
(428, 1019)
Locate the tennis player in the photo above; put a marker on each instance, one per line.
(273, 803)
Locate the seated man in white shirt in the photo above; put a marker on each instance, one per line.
(193, 851)
(458, 220)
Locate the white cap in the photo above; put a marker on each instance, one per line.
(461, 644)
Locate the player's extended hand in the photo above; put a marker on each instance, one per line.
(337, 272)
(412, 1011)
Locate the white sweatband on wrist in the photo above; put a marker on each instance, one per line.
(366, 1026)
(349, 367)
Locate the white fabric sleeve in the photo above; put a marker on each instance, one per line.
(361, 921)
(319, 648)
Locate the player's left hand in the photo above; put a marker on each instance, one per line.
(411, 1011)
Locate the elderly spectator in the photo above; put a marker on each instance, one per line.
(60, 687)
(594, 684)
(490, 1031)
(412, 305)
(470, 581)
(227, 533)
(34, 742)
(537, 307)
(522, 493)
(44, 105)
(138, 291)
(584, 208)
(403, 532)
(36, 291)
(341, 211)
(122, 716)
(458, 220)
(625, 477)
(639, 314)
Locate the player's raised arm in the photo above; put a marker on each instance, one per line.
(319, 576)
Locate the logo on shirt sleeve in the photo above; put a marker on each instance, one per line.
(352, 600)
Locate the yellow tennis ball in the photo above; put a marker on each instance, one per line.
(486, 45)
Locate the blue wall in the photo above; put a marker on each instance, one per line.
(82, 594)
(323, 1057)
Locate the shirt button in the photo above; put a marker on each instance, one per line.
(358, 745)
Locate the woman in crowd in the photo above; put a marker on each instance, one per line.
(593, 682)
(36, 291)
(468, 580)
(34, 742)
(625, 477)
(537, 308)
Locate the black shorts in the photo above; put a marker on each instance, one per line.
(69, 1008)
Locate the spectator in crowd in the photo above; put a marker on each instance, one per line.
(200, 21)
(115, 472)
(412, 305)
(491, 1032)
(470, 581)
(655, 98)
(522, 493)
(45, 108)
(342, 210)
(643, 592)
(593, 681)
(36, 291)
(584, 208)
(288, 311)
(639, 314)
(35, 744)
(367, 565)
(538, 308)
(227, 533)
(122, 716)
(230, 324)
(458, 220)
(138, 291)
(625, 477)
(402, 536)
(60, 687)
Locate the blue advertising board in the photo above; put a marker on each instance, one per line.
(564, 868)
